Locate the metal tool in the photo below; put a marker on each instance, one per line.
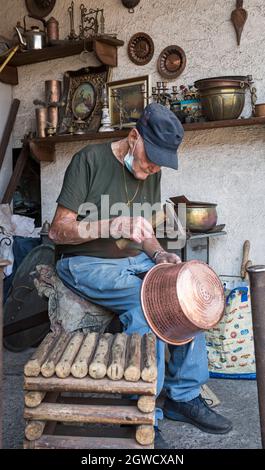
(157, 219)
(239, 17)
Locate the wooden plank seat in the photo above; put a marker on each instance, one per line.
(76, 387)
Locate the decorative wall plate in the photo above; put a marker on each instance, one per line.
(40, 8)
(171, 62)
(141, 48)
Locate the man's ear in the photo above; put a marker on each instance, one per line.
(133, 136)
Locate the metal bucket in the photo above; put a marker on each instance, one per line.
(181, 300)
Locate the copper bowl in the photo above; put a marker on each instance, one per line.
(181, 300)
(201, 218)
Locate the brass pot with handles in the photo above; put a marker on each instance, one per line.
(223, 98)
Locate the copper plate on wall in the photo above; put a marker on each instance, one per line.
(171, 62)
(141, 48)
(40, 8)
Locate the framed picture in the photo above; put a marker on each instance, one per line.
(81, 108)
(84, 100)
(127, 100)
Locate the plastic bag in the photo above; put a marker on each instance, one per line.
(230, 344)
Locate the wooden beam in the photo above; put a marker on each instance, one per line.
(129, 415)
(9, 75)
(71, 384)
(14, 180)
(8, 129)
(74, 442)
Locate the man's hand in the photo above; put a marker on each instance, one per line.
(137, 229)
(165, 257)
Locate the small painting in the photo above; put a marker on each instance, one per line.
(84, 100)
(127, 100)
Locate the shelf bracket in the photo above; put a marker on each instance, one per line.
(9, 75)
(45, 152)
(106, 53)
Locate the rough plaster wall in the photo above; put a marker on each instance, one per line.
(227, 165)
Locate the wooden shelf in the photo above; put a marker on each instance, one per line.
(105, 48)
(44, 149)
(200, 126)
(58, 51)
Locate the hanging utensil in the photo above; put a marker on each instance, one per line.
(71, 12)
(239, 17)
(130, 4)
(85, 54)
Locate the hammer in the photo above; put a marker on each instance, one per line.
(157, 219)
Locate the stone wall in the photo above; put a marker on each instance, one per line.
(225, 166)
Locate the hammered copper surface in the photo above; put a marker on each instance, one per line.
(181, 300)
(141, 48)
(41, 121)
(53, 91)
(171, 62)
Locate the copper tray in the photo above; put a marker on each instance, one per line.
(171, 62)
(141, 48)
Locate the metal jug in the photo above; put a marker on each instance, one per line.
(33, 38)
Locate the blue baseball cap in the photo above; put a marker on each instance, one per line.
(162, 134)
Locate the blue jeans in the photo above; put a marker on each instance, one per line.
(114, 284)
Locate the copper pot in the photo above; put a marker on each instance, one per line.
(181, 300)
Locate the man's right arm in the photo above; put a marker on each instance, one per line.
(66, 230)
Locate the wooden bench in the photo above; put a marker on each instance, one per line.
(91, 391)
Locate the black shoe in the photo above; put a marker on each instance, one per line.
(160, 442)
(198, 413)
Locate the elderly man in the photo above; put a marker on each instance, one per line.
(91, 264)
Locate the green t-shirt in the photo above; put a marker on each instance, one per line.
(94, 171)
